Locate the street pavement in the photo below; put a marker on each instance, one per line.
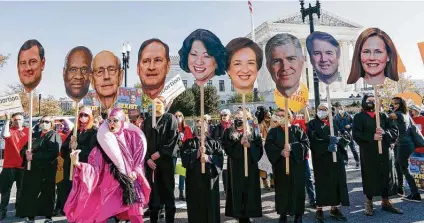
(413, 212)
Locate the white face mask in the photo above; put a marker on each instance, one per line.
(84, 119)
(341, 112)
(322, 114)
(45, 126)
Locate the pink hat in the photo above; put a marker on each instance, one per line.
(86, 110)
(117, 113)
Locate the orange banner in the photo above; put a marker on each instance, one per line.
(421, 48)
(401, 66)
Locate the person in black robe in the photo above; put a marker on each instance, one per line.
(202, 190)
(38, 183)
(243, 193)
(377, 170)
(86, 140)
(330, 177)
(161, 148)
(289, 189)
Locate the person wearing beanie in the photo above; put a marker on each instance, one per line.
(330, 177)
(376, 169)
(86, 140)
(112, 182)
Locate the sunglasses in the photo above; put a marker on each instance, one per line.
(45, 122)
(83, 115)
(110, 121)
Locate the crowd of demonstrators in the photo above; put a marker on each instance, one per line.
(142, 170)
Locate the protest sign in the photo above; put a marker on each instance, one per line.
(10, 104)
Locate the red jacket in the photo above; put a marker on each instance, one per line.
(419, 122)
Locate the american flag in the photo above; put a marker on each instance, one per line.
(250, 6)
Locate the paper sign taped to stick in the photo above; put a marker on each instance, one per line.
(297, 101)
(10, 104)
(264, 164)
(173, 88)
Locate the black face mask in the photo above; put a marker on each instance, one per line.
(238, 123)
(371, 106)
(391, 107)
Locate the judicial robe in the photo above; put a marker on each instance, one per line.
(38, 184)
(163, 139)
(202, 190)
(86, 141)
(377, 170)
(330, 177)
(243, 193)
(289, 189)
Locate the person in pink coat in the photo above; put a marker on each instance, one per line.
(112, 183)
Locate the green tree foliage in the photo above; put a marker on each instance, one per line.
(211, 99)
(237, 98)
(184, 103)
(3, 59)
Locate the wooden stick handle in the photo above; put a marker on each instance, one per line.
(330, 119)
(76, 115)
(202, 121)
(245, 126)
(286, 132)
(31, 95)
(377, 117)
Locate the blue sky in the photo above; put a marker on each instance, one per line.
(60, 26)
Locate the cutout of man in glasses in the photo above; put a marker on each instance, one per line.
(106, 78)
(77, 71)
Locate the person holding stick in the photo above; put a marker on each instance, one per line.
(202, 190)
(289, 189)
(377, 170)
(38, 184)
(15, 137)
(85, 141)
(330, 177)
(161, 150)
(243, 199)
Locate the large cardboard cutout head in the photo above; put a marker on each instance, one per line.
(31, 62)
(284, 60)
(77, 71)
(153, 66)
(324, 51)
(243, 63)
(374, 58)
(203, 55)
(106, 77)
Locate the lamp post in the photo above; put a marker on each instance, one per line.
(310, 12)
(39, 104)
(126, 49)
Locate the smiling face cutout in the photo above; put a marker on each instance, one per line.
(324, 52)
(31, 62)
(243, 63)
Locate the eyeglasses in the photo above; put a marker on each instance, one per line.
(74, 70)
(45, 121)
(83, 115)
(110, 121)
(101, 71)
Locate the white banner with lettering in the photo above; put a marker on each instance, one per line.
(173, 88)
(10, 104)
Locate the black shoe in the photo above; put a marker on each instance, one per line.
(390, 208)
(162, 214)
(357, 165)
(298, 218)
(313, 205)
(401, 191)
(413, 198)
(319, 216)
(283, 219)
(3, 215)
(181, 197)
(336, 214)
